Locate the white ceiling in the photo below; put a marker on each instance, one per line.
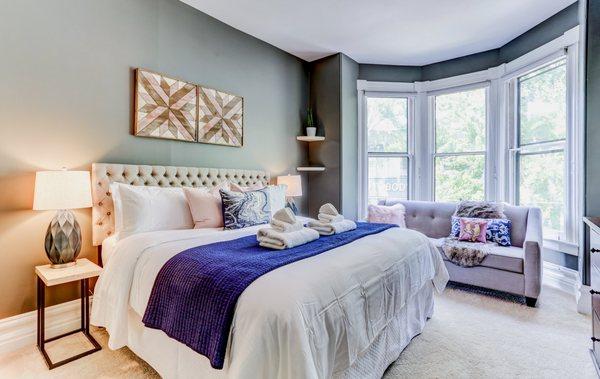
(399, 32)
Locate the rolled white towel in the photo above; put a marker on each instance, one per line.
(285, 215)
(273, 239)
(328, 209)
(327, 218)
(285, 227)
(285, 221)
(327, 229)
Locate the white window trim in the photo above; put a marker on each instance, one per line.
(498, 161)
(489, 148)
(363, 153)
(569, 146)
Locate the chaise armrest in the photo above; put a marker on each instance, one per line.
(532, 254)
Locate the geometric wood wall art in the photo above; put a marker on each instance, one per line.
(220, 117)
(164, 107)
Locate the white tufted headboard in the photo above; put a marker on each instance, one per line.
(165, 176)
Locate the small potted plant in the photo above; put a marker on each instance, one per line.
(311, 129)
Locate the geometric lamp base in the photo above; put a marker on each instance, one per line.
(63, 239)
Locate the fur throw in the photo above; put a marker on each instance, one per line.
(464, 254)
(480, 209)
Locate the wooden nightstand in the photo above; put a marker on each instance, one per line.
(47, 276)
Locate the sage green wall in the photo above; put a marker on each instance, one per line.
(66, 99)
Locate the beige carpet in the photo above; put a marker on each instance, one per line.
(469, 336)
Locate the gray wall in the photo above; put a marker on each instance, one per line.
(349, 148)
(542, 33)
(325, 99)
(66, 99)
(592, 118)
(334, 98)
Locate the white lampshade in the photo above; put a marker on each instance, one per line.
(294, 184)
(62, 190)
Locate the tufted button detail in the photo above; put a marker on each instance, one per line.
(108, 213)
(203, 183)
(100, 223)
(100, 203)
(109, 233)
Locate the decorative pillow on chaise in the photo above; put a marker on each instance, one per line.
(243, 209)
(141, 209)
(472, 230)
(394, 214)
(498, 230)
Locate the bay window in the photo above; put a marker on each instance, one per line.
(510, 133)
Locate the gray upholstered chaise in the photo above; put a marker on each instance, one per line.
(516, 269)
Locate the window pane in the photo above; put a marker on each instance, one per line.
(459, 178)
(388, 177)
(543, 104)
(460, 121)
(541, 184)
(387, 124)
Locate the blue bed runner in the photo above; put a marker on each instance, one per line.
(194, 295)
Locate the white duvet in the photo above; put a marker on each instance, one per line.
(309, 319)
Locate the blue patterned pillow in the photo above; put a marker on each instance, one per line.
(498, 230)
(243, 209)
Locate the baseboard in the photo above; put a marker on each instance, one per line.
(20, 330)
(584, 300)
(568, 280)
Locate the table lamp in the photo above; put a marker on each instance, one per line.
(62, 191)
(294, 189)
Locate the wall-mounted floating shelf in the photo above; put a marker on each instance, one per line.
(311, 169)
(310, 139)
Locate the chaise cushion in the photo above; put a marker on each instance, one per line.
(500, 258)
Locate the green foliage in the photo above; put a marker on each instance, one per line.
(459, 178)
(387, 124)
(310, 121)
(460, 120)
(542, 104)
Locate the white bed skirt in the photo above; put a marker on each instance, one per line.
(173, 359)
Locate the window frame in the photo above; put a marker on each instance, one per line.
(365, 154)
(568, 242)
(431, 97)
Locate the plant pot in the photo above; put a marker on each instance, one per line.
(311, 131)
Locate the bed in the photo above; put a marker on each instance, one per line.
(348, 312)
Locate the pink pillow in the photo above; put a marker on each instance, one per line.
(472, 230)
(205, 206)
(383, 214)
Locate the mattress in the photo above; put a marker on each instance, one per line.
(313, 318)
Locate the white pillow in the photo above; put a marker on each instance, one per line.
(277, 197)
(141, 209)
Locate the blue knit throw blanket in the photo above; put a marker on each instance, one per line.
(194, 295)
